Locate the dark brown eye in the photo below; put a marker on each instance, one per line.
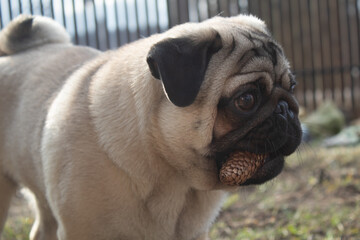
(245, 102)
(292, 88)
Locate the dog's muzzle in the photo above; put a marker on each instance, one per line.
(276, 136)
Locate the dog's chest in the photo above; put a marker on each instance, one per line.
(184, 214)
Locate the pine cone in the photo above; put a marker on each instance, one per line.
(240, 166)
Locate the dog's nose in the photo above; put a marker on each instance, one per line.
(282, 108)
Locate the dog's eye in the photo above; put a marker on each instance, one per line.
(292, 87)
(246, 101)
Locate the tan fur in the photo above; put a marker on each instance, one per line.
(43, 31)
(107, 155)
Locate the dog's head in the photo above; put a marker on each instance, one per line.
(229, 88)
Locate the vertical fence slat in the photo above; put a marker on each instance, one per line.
(321, 51)
(358, 29)
(271, 17)
(260, 12)
(10, 9)
(107, 35)
(172, 10)
(239, 10)
(357, 107)
(178, 11)
(310, 27)
(302, 56)
(329, 28)
(137, 20)
(96, 25)
(218, 7)
(234, 7)
(42, 8)
(350, 53)
(118, 42)
(52, 9)
(20, 6)
(183, 11)
(157, 16)
(87, 41)
(291, 32)
(148, 32)
(31, 7)
(209, 12)
(75, 23)
(63, 13)
(128, 39)
(340, 52)
(1, 19)
(281, 23)
(198, 10)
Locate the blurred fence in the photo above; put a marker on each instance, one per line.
(320, 37)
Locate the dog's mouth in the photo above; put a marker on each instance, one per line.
(240, 168)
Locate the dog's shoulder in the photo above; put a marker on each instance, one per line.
(27, 31)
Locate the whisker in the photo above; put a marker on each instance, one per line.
(305, 148)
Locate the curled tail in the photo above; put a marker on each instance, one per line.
(26, 32)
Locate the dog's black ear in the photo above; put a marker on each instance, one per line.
(180, 63)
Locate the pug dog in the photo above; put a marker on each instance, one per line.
(131, 143)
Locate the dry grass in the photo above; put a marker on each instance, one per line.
(316, 197)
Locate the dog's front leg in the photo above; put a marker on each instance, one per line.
(203, 236)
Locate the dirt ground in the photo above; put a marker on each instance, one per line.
(317, 196)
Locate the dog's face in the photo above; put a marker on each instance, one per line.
(229, 88)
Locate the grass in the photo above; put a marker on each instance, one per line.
(316, 197)
(17, 228)
(292, 223)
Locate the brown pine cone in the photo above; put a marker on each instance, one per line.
(240, 166)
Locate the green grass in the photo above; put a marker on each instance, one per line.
(17, 228)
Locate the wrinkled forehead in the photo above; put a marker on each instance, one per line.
(255, 54)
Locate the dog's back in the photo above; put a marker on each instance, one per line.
(30, 77)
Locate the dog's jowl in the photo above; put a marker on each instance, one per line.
(131, 143)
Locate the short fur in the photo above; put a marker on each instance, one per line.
(108, 142)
